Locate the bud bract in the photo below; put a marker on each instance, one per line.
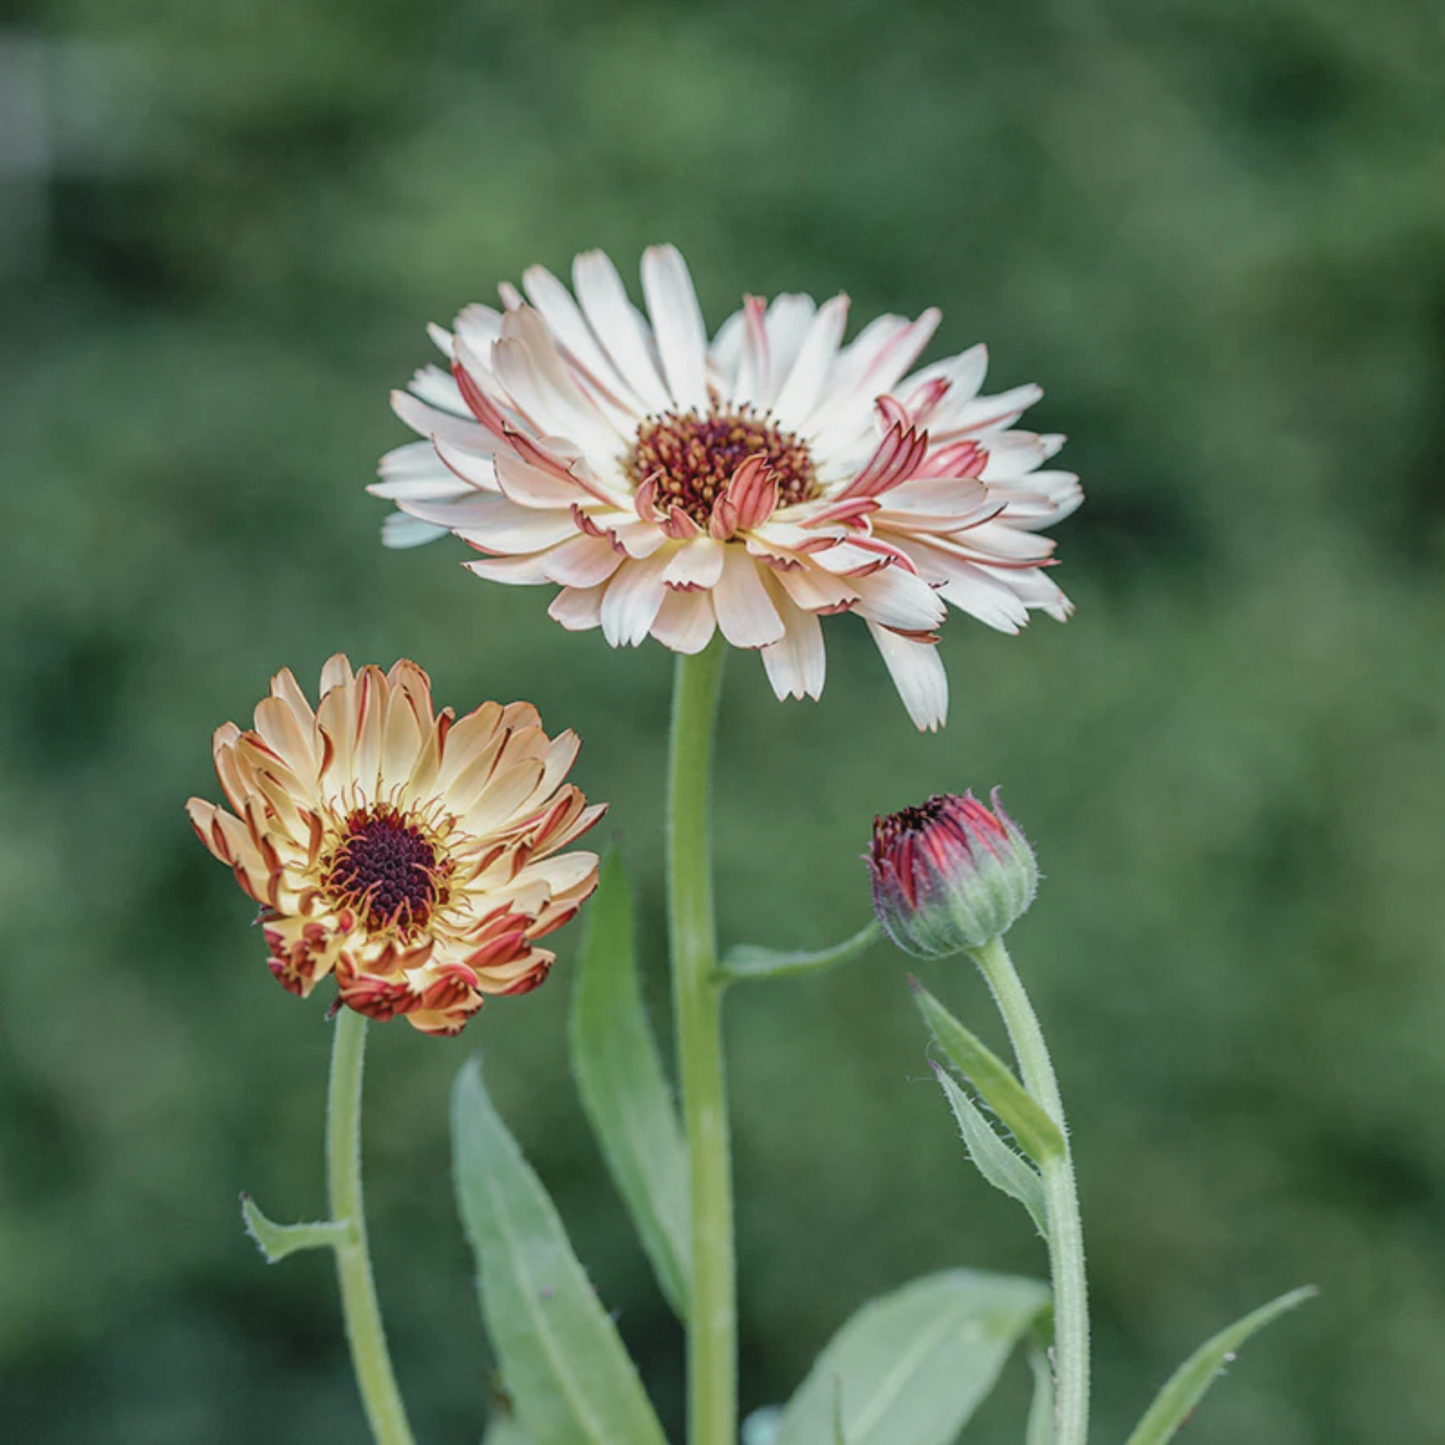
(950, 874)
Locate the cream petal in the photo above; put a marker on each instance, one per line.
(631, 601)
(797, 663)
(530, 486)
(917, 673)
(577, 608)
(685, 622)
(506, 795)
(696, 563)
(581, 561)
(745, 612)
(525, 571)
(678, 325)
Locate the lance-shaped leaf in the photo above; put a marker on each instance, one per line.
(1187, 1385)
(623, 1088)
(750, 960)
(505, 1429)
(562, 1360)
(1038, 1135)
(1041, 1411)
(1004, 1169)
(911, 1367)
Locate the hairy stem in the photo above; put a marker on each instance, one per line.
(697, 1000)
(1061, 1200)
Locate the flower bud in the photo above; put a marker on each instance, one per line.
(950, 874)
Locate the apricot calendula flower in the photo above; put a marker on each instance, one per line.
(950, 874)
(671, 485)
(411, 854)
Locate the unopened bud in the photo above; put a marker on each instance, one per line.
(950, 874)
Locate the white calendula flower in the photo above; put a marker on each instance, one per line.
(672, 486)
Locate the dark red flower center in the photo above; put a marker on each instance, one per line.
(693, 457)
(387, 870)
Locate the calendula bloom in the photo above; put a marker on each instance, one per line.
(412, 854)
(671, 485)
(950, 874)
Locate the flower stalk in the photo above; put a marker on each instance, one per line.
(1061, 1198)
(697, 1008)
(360, 1309)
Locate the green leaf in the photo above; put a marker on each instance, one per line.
(623, 1087)
(562, 1360)
(1004, 1169)
(1041, 1411)
(505, 1429)
(1186, 1386)
(276, 1241)
(1038, 1135)
(911, 1367)
(749, 960)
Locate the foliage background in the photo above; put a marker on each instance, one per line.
(1213, 231)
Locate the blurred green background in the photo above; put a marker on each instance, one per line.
(1214, 232)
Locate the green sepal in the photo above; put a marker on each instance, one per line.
(624, 1090)
(1038, 1135)
(749, 960)
(1187, 1385)
(276, 1241)
(1005, 1170)
(911, 1367)
(562, 1360)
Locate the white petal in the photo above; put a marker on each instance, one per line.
(787, 322)
(678, 324)
(529, 367)
(617, 326)
(400, 531)
(530, 486)
(685, 622)
(439, 388)
(810, 371)
(554, 301)
(896, 597)
(1012, 454)
(745, 612)
(433, 423)
(917, 673)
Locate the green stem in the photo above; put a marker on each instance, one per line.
(697, 1000)
(379, 1395)
(1061, 1200)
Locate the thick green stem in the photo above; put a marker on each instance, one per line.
(697, 1000)
(1061, 1201)
(369, 1358)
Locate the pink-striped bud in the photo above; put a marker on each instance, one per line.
(950, 874)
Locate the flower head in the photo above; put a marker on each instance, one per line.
(671, 485)
(412, 854)
(950, 874)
